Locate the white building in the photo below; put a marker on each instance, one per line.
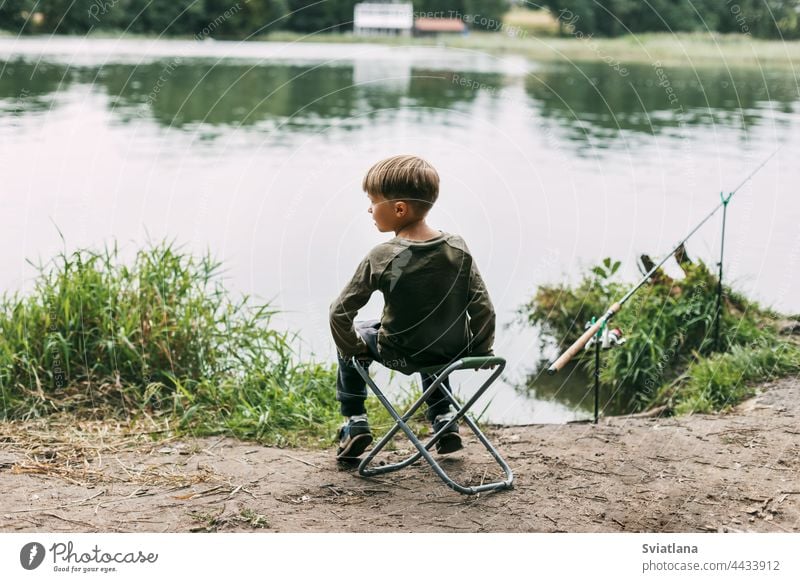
(373, 18)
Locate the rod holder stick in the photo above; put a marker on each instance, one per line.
(597, 342)
(718, 310)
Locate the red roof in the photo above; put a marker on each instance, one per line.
(439, 24)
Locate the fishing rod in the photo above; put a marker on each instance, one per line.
(579, 344)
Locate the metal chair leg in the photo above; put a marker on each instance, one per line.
(401, 423)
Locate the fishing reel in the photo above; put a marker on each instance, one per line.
(608, 337)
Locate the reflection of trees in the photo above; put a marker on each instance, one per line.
(182, 92)
(597, 99)
(300, 91)
(428, 91)
(572, 386)
(24, 89)
(206, 92)
(443, 89)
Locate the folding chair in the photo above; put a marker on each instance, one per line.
(439, 373)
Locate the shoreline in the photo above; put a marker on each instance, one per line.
(732, 472)
(654, 49)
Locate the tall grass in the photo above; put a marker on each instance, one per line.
(670, 353)
(161, 336)
(722, 380)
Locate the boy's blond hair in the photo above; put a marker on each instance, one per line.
(404, 177)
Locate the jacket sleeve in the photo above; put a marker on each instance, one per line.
(343, 310)
(481, 315)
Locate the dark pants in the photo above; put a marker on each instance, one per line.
(351, 390)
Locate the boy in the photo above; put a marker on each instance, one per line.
(436, 307)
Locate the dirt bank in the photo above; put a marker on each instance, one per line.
(732, 472)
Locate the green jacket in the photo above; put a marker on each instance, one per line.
(436, 306)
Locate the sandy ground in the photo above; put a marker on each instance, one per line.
(732, 472)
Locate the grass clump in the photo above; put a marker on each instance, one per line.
(670, 355)
(161, 336)
(718, 382)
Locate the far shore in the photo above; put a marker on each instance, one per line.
(682, 49)
(731, 50)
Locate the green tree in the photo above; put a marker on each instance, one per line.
(476, 13)
(573, 15)
(316, 16)
(762, 18)
(14, 15)
(490, 12)
(165, 16)
(66, 16)
(246, 19)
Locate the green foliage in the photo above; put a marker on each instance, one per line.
(96, 337)
(607, 269)
(314, 16)
(220, 18)
(64, 16)
(760, 18)
(239, 19)
(668, 326)
(244, 19)
(15, 13)
(486, 14)
(720, 381)
(199, 18)
(160, 16)
(560, 312)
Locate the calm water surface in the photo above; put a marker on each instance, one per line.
(257, 152)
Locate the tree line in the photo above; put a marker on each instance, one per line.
(214, 18)
(245, 18)
(759, 18)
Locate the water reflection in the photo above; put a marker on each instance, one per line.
(572, 386)
(593, 100)
(25, 88)
(589, 100)
(177, 93)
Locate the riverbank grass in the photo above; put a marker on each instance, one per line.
(161, 339)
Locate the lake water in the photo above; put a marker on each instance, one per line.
(257, 151)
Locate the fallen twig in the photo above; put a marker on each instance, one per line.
(302, 461)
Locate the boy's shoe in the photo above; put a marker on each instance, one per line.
(354, 437)
(450, 441)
